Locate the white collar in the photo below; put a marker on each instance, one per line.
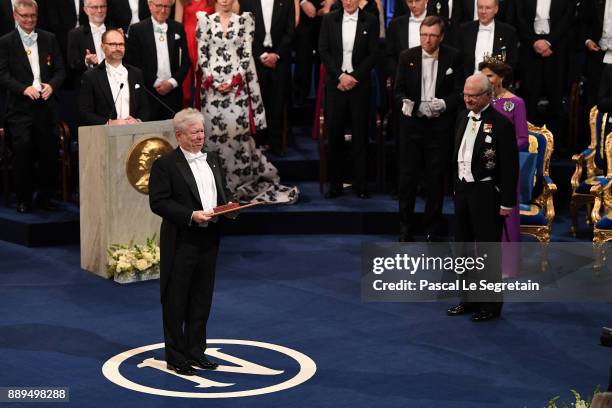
(193, 156)
(347, 16)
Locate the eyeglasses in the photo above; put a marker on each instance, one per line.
(115, 45)
(472, 96)
(104, 7)
(27, 16)
(429, 35)
(161, 6)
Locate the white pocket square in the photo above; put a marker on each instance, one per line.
(488, 139)
(449, 71)
(136, 86)
(177, 36)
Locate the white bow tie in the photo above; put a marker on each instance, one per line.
(191, 157)
(161, 28)
(98, 30)
(352, 17)
(413, 19)
(485, 28)
(474, 116)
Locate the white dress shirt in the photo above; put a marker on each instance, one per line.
(466, 149)
(30, 45)
(77, 4)
(484, 43)
(116, 77)
(450, 8)
(134, 10)
(606, 35)
(163, 57)
(349, 30)
(541, 24)
(429, 74)
(414, 27)
(475, 16)
(267, 6)
(96, 33)
(205, 180)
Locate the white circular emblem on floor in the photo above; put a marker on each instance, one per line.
(208, 388)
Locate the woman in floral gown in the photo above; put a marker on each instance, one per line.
(232, 105)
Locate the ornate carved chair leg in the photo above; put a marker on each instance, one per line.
(587, 216)
(574, 218)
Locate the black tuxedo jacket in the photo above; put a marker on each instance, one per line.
(7, 21)
(60, 17)
(16, 74)
(96, 103)
(505, 42)
(449, 82)
(282, 27)
(495, 152)
(141, 51)
(591, 19)
(79, 40)
(365, 48)
(173, 195)
(120, 13)
(561, 20)
(396, 41)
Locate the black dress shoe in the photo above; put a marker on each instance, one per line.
(333, 193)
(363, 195)
(203, 363)
(406, 238)
(458, 310)
(23, 208)
(182, 369)
(46, 204)
(483, 316)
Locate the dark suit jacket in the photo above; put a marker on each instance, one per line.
(96, 103)
(173, 195)
(591, 19)
(79, 40)
(451, 26)
(604, 103)
(396, 41)
(365, 48)
(561, 19)
(141, 51)
(282, 28)
(504, 42)
(120, 13)
(16, 73)
(60, 18)
(503, 142)
(449, 82)
(7, 21)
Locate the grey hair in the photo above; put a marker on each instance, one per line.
(25, 3)
(485, 84)
(186, 117)
(171, 2)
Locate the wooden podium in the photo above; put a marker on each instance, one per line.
(113, 179)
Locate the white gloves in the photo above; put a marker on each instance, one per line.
(407, 107)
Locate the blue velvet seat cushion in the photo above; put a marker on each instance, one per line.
(605, 223)
(527, 163)
(531, 214)
(585, 186)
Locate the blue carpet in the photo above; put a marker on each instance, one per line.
(60, 324)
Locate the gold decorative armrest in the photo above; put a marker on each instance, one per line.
(583, 161)
(547, 198)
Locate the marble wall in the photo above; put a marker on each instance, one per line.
(111, 210)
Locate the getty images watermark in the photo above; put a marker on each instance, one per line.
(523, 272)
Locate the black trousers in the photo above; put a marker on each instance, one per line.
(35, 142)
(272, 83)
(188, 296)
(478, 221)
(594, 67)
(423, 160)
(306, 40)
(352, 107)
(544, 77)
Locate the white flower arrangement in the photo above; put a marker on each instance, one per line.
(579, 403)
(129, 263)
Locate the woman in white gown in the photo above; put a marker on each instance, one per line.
(232, 105)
